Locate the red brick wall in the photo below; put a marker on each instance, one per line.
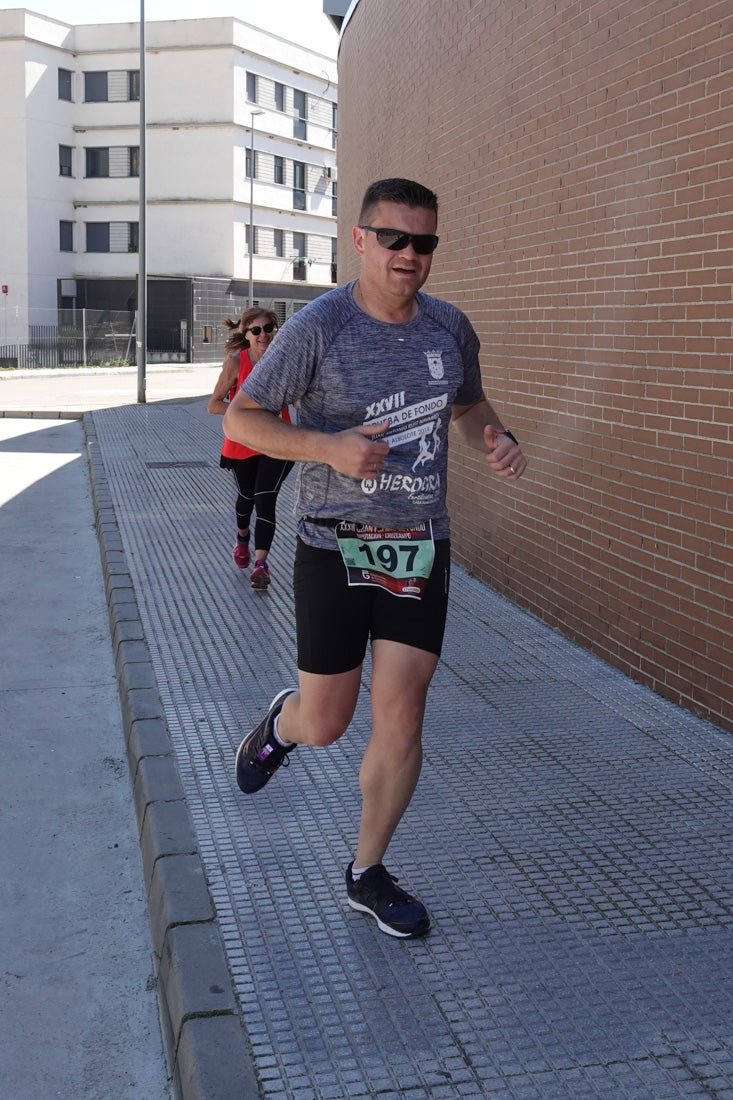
(583, 156)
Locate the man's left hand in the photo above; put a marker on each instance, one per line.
(503, 455)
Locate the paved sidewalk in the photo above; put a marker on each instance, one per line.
(71, 393)
(571, 835)
(78, 1010)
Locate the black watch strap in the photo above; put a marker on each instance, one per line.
(508, 434)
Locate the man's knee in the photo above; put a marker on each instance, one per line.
(324, 735)
(321, 722)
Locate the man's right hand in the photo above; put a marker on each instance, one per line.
(356, 453)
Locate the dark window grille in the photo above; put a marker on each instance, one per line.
(65, 84)
(66, 236)
(95, 87)
(64, 160)
(97, 236)
(300, 129)
(298, 185)
(97, 163)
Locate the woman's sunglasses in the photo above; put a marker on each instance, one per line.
(257, 329)
(396, 239)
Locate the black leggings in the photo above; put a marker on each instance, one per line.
(259, 480)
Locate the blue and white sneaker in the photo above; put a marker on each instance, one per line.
(396, 912)
(260, 755)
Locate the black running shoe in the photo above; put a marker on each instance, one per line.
(260, 755)
(376, 892)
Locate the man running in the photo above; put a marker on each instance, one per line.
(379, 372)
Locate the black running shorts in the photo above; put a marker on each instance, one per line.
(334, 622)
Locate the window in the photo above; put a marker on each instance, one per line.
(116, 161)
(279, 170)
(279, 96)
(248, 165)
(97, 163)
(116, 86)
(97, 236)
(299, 261)
(66, 236)
(334, 199)
(65, 84)
(252, 87)
(64, 160)
(95, 87)
(298, 185)
(334, 124)
(334, 249)
(279, 242)
(113, 236)
(299, 122)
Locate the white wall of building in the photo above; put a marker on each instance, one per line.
(191, 163)
(198, 135)
(13, 187)
(204, 238)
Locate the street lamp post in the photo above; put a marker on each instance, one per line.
(141, 331)
(252, 201)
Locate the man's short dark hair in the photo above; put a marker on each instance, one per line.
(404, 192)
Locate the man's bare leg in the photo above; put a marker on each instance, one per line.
(392, 760)
(322, 708)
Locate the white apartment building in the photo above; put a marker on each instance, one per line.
(240, 154)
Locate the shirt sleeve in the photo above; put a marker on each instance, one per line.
(471, 390)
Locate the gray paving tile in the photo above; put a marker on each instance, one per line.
(571, 833)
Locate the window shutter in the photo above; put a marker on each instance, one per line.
(117, 89)
(119, 160)
(119, 236)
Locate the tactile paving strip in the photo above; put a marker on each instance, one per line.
(571, 833)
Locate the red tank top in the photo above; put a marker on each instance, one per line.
(230, 449)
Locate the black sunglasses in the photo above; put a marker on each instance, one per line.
(396, 239)
(257, 329)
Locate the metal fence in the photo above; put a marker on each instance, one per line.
(75, 338)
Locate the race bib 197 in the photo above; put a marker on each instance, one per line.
(399, 560)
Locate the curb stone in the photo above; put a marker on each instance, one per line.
(206, 1049)
(41, 414)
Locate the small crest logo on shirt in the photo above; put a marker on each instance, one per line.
(435, 363)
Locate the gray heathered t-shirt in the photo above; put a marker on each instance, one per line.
(341, 368)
